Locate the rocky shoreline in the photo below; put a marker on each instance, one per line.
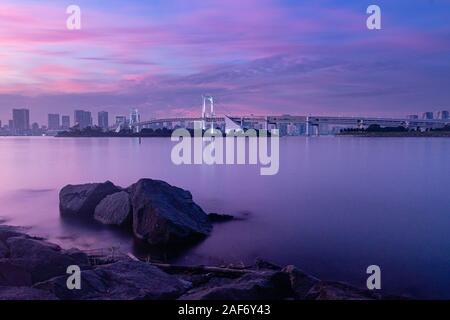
(33, 269)
(158, 215)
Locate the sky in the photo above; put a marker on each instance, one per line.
(254, 56)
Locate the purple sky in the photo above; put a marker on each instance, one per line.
(253, 56)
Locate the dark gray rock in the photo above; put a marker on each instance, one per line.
(4, 251)
(114, 209)
(264, 285)
(124, 280)
(14, 274)
(7, 232)
(218, 217)
(301, 283)
(40, 259)
(25, 293)
(81, 200)
(165, 215)
(330, 290)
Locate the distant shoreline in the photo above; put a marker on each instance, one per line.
(411, 134)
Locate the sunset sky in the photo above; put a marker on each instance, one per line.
(254, 56)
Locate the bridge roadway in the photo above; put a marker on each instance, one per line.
(310, 120)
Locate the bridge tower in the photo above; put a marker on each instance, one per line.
(208, 116)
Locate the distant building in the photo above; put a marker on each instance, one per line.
(443, 115)
(103, 120)
(428, 116)
(21, 121)
(35, 130)
(134, 116)
(83, 119)
(65, 122)
(413, 117)
(121, 120)
(53, 121)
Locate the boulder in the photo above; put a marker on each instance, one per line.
(330, 290)
(38, 260)
(264, 285)
(301, 283)
(81, 200)
(25, 293)
(123, 280)
(114, 209)
(166, 215)
(12, 274)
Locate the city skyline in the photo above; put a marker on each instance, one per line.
(297, 57)
(21, 124)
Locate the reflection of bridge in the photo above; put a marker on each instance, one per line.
(303, 124)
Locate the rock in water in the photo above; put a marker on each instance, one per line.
(217, 217)
(115, 209)
(81, 200)
(165, 215)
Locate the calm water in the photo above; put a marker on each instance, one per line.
(336, 206)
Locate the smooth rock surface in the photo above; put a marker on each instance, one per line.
(115, 209)
(124, 280)
(81, 200)
(166, 215)
(32, 260)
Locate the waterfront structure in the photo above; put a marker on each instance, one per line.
(103, 121)
(83, 119)
(428, 115)
(21, 121)
(443, 115)
(413, 117)
(53, 121)
(65, 122)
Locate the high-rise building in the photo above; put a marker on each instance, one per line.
(103, 120)
(65, 122)
(443, 115)
(83, 119)
(53, 121)
(21, 121)
(428, 115)
(134, 116)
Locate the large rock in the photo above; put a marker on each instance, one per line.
(115, 209)
(81, 200)
(25, 293)
(301, 283)
(164, 215)
(124, 280)
(265, 285)
(32, 260)
(330, 290)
